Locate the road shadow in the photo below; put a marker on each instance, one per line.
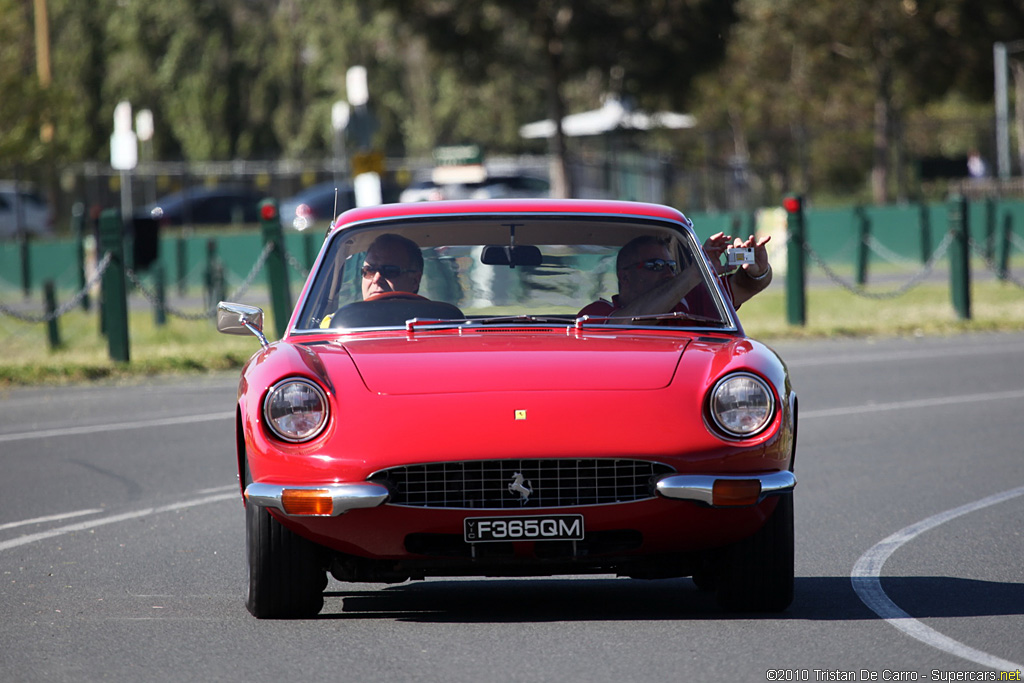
(610, 599)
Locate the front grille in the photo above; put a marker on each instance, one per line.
(502, 484)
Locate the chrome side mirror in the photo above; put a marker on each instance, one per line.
(235, 318)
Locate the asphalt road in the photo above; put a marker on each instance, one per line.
(122, 549)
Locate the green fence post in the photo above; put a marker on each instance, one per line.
(160, 310)
(211, 266)
(24, 247)
(863, 235)
(217, 283)
(990, 228)
(926, 233)
(182, 265)
(1003, 255)
(52, 331)
(115, 292)
(796, 295)
(277, 274)
(309, 249)
(78, 230)
(960, 257)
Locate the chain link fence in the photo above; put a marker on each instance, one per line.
(210, 312)
(887, 255)
(148, 292)
(861, 291)
(71, 303)
(981, 250)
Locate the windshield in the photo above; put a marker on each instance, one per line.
(485, 269)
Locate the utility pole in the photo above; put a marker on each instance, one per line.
(1000, 59)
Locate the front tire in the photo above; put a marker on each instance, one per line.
(757, 572)
(286, 578)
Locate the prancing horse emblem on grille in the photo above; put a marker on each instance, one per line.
(520, 485)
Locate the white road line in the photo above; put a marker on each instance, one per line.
(883, 356)
(50, 518)
(868, 569)
(93, 523)
(220, 489)
(116, 426)
(914, 403)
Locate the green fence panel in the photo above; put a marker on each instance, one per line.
(897, 230)
(831, 233)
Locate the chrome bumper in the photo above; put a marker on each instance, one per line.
(344, 497)
(700, 488)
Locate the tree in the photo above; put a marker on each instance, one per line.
(24, 102)
(658, 46)
(831, 64)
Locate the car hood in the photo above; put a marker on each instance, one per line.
(495, 361)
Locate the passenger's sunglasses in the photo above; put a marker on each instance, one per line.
(655, 265)
(387, 272)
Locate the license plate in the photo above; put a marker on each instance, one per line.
(534, 528)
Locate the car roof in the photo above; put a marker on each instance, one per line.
(481, 207)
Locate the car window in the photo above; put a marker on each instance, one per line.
(576, 267)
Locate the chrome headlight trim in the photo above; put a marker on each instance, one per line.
(296, 417)
(756, 418)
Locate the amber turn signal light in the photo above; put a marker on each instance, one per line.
(307, 502)
(733, 492)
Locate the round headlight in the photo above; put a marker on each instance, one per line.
(295, 410)
(741, 404)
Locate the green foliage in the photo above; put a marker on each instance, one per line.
(769, 80)
(23, 102)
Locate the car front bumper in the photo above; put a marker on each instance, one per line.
(331, 500)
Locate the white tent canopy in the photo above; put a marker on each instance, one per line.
(612, 115)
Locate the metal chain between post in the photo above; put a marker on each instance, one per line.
(887, 254)
(212, 313)
(294, 263)
(979, 251)
(1017, 241)
(903, 289)
(74, 301)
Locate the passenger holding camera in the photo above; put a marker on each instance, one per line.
(650, 282)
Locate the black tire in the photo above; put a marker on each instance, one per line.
(286, 576)
(757, 573)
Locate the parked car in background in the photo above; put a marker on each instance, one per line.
(23, 209)
(221, 205)
(318, 205)
(421, 191)
(509, 186)
(439, 406)
(493, 187)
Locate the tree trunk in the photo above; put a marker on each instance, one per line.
(882, 140)
(555, 19)
(561, 182)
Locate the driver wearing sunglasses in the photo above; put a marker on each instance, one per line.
(392, 264)
(390, 277)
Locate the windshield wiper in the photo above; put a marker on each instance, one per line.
(628, 319)
(501, 320)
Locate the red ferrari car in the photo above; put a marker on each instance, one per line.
(440, 407)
